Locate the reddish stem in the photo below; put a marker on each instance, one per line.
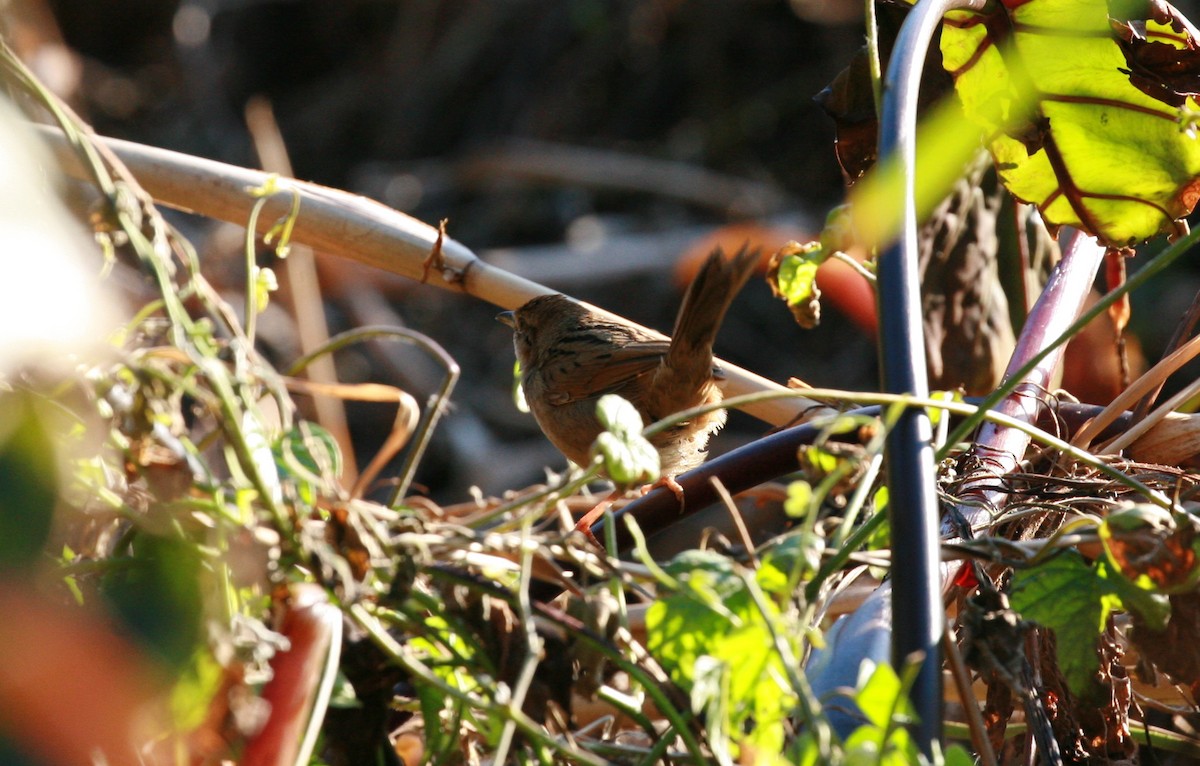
(999, 448)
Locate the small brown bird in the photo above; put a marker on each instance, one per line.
(571, 356)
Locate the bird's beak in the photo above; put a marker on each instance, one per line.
(508, 318)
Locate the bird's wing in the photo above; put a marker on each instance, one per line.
(603, 372)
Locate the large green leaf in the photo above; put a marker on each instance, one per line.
(1075, 599)
(1066, 595)
(1070, 129)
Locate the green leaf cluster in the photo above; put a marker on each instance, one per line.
(716, 641)
(629, 458)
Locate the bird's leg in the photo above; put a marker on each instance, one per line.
(585, 522)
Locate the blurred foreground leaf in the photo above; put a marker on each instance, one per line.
(28, 476)
(156, 594)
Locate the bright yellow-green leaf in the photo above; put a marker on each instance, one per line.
(1068, 130)
(618, 415)
(628, 460)
(821, 459)
(878, 697)
(793, 277)
(799, 499)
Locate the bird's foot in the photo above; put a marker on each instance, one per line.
(668, 482)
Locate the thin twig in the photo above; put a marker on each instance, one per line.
(738, 521)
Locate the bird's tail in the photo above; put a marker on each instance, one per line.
(703, 309)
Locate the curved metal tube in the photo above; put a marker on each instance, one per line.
(918, 620)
